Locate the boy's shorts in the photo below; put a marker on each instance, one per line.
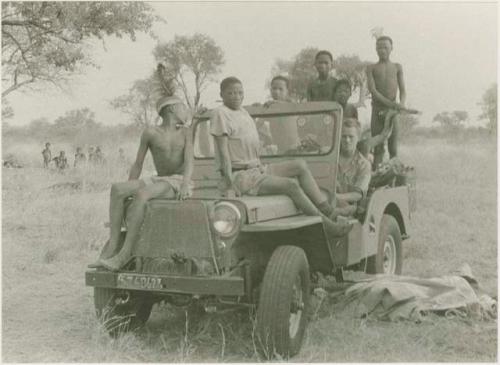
(175, 181)
(248, 181)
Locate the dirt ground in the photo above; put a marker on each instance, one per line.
(49, 235)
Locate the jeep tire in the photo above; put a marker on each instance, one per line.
(389, 256)
(284, 302)
(119, 318)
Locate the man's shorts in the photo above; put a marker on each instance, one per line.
(175, 181)
(248, 181)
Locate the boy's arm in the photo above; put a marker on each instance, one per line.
(135, 170)
(351, 197)
(188, 163)
(386, 132)
(375, 94)
(401, 84)
(188, 155)
(360, 185)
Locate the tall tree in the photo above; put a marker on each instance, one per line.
(489, 104)
(46, 42)
(300, 70)
(451, 120)
(139, 102)
(193, 61)
(352, 68)
(76, 122)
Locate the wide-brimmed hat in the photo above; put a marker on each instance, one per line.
(167, 100)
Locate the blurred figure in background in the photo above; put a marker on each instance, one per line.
(122, 160)
(61, 161)
(80, 158)
(91, 155)
(99, 156)
(47, 155)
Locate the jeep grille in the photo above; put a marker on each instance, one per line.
(173, 228)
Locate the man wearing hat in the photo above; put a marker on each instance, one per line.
(171, 147)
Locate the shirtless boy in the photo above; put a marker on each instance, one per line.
(47, 155)
(172, 151)
(321, 89)
(385, 78)
(341, 95)
(238, 146)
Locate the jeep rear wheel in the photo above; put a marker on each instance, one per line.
(284, 303)
(121, 311)
(389, 257)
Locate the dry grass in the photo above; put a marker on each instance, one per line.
(50, 234)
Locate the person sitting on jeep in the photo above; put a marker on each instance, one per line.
(237, 156)
(171, 148)
(354, 172)
(281, 132)
(341, 94)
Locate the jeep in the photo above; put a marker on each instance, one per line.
(255, 251)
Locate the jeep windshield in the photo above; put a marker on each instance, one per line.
(282, 135)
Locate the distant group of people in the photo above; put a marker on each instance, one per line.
(94, 157)
(238, 150)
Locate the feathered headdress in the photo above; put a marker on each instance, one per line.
(165, 85)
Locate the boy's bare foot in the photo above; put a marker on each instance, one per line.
(115, 263)
(107, 252)
(336, 229)
(95, 264)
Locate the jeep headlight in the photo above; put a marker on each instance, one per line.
(226, 219)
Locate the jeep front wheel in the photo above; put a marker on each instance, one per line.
(121, 311)
(389, 256)
(284, 303)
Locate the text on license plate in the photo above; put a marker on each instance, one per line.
(138, 282)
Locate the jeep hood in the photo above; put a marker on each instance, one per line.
(265, 208)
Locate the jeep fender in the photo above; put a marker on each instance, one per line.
(392, 201)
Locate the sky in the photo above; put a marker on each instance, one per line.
(448, 52)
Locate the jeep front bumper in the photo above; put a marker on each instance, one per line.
(196, 285)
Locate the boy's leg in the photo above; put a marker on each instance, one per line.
(284, 185)
(299, 169)
(119, 192)
(135, 219)
(377, 125)
(392, 142)
(288, 186)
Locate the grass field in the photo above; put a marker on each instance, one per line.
(49, 235)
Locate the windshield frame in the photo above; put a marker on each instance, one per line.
(311, 108)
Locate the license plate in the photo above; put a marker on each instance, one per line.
(130, 281)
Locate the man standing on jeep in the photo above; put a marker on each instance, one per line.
(354, 172)
(172, 151)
